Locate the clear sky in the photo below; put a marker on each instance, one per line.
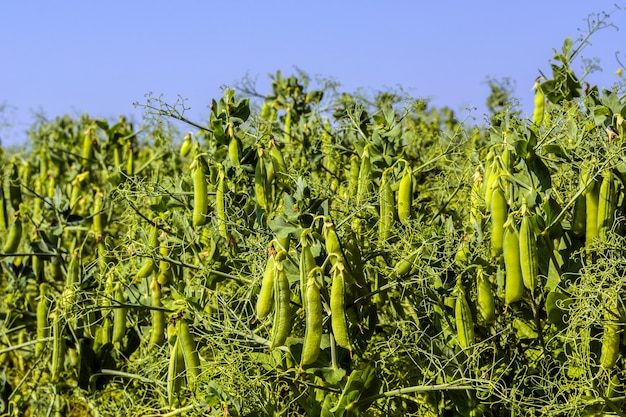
(71, 56)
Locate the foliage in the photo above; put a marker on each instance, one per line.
(145, 273)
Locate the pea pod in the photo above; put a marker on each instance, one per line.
(331, 241)
(266, 110)
(73, 269)
(485, 300)
(130, 161)
(15, 235)
(120, 315)
(338, 320)
(313, 317)
(175, 371)
(200, 192)
(492, 174)
(234, 150)
(287, 126)
(157, 334)
(407, 264)
(386, 206)
(592, 199)
(220, 203)
(266, 295)
(364, 175)
(476, 200)
(15, 187)
(58, 348)
(514, 282)
(43, 328)
(499, 211)
(282, 304)
(354, 172)
(260, 181)
(529, 258)
(307, 262)
(539, 100)
(149, 265)
(607, 202)
(165, 267)
(89, 141)
(186, 145)
(405, 195)
(611, 338)
(190, 353)
(463, 319)
(278, 160)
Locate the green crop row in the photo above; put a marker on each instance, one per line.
(319, 254)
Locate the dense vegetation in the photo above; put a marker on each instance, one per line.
(320, 254)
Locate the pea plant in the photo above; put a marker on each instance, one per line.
(313, 253)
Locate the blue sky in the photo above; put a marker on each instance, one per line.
(72, 57)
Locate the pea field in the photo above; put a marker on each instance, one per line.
(311, 252)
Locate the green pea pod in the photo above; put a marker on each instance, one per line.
(220, 204)
(592, 200)
(266, 295)
(364, 175)
(278, 160)
(58, 348)
(476, 200)
(485, 300)
(339, 322)
(15, 188)
(386, 205)
(405, 195)
(354, 171)
(157, 334)
(149, 265)
(200, 193)
(407, 264)
(165, 267)
(499, 211)
(607, 202)
(15, 235)
(287, 126)
(529, 257)
(514, 282)
(73, 269)
(540, 102)
(43, 328)
(234, 150)
(492, 174)
(190, 353)
(260, 182)
(313, 317)
(307, 262)
(175, 371)
(282, 304)
(120, 315)
(186, 145)
(463, 319)
(331, 241)
(611, 338)
(89, 141)
(130, 161)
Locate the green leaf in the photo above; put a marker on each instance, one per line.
(333, 376)
(601, 114)
(282, 227)
(539, 173)
(523, 329)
